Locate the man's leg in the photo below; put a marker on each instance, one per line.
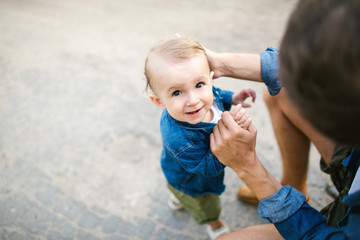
(256, 232)
(294, 134)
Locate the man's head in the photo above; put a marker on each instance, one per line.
(320, 65)
(178, 74)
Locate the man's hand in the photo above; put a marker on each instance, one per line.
(233, 145)
(236, 65)
(214, 61)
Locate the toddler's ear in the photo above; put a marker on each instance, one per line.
(211, 75)
(156, 100)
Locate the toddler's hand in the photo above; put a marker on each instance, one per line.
(240, 97)
(241, 117)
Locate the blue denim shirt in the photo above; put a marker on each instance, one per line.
(287, 208)
(269, 70)
(187, 161)
(295, 219)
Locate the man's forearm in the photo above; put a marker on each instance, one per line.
(259, 180)
(240, 65)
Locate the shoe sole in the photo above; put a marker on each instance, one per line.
(249, 201)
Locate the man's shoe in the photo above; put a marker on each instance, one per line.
(246, 195)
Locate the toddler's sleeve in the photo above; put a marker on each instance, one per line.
(225, 97)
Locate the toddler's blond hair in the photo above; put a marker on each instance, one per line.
(178, 48)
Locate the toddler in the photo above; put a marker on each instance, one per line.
(180, 80)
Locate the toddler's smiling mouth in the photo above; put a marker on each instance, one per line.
(193, 112)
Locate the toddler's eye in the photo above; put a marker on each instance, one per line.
(176, 93)
(199, 85)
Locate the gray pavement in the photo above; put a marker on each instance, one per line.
(79, 139)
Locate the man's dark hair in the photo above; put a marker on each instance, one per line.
(320, 66)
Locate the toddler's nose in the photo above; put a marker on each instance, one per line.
(193, 99)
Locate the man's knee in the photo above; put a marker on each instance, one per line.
(271, 101)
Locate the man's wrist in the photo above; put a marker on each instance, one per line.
(257, 178)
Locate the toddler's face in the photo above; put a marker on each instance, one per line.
(184, 88)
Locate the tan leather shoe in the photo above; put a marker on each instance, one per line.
(246, 195)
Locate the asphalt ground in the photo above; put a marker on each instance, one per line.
(79, 138)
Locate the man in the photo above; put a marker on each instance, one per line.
(319, 61)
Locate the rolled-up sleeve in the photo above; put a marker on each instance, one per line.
(281, 205)
(269, 70)
(294, 218)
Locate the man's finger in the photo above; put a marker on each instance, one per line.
(252, 129)
(215, 138)
(220, 128)
(212, 141)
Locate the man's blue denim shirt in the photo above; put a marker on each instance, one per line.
(269, 70)
(187, 160)
(287, 208)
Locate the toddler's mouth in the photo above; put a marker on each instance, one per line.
(193, 112)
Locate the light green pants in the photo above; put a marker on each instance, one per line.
(204, 209)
